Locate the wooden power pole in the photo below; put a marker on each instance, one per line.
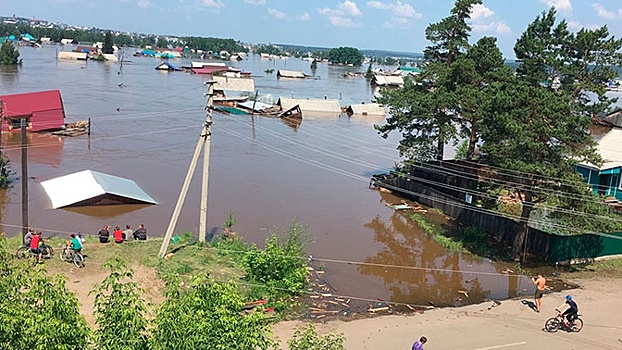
(202, 144)
(24, 178)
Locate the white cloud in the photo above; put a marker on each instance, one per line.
(304, 17)
(255, 2)
(479, 11)
(401, 12)
(494, 27)
(341, 16)
(562, 5)
(606, 14)
(342, 22)
(350, 8)
(277, 14)
(212, 3)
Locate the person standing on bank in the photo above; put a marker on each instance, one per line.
(418, 345)
(141, 233)
(540, 283)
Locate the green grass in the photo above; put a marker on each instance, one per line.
(611, 268)
(437, 233)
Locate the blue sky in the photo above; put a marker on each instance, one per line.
(396, 25)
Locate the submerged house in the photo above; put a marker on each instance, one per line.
(605, 179)
(88, 188)
(166, 66)
(366, 109)
(43, 110)
(387, 80)
(314, 106)
(282, 73)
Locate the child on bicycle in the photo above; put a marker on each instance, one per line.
(571, 312)
(74, 244)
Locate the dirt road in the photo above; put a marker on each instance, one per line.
(512, 324)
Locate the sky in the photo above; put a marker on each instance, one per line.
(393, 25)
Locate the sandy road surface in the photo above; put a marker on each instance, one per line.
(511, 325)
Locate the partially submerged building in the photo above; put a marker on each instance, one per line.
(43, 110)
(317, 106)
(366, 109)
(89, 188)
(388, 80)
(282, 73)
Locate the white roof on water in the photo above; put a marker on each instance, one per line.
(290, 73)
(234, 84)
(311, 105)
(209, 64)
(77, 187)
(368, 109)
(389, 80)
(258, 106)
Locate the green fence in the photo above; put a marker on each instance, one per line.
(562, 248)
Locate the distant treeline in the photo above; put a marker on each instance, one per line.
(97, 35)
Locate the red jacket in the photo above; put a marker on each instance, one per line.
(118, 236)
(34, 242)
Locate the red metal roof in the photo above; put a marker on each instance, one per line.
(45, 107)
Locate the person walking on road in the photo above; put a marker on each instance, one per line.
(418, 344)
(540, 283)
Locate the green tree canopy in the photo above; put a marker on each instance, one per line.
(345, 55)
(108, 44)
(8, 54)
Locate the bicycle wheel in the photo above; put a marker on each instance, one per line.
(552, 325)
(78, 260)
(22, 252)
(64, 256)
(577, 326)
(47, 251)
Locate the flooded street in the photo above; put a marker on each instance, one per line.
(145, 126)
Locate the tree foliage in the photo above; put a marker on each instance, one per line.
(37, 311)
(306, 338)
(540, 120)
(9, 55)
(120, 310)
(281, 266)
(208, 315)
(108, 44)
(427, 110)
(345, 55)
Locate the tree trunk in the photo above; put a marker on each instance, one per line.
(518, 248)
(440, 147)
(472, 141)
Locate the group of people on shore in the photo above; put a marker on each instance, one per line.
(120, 236)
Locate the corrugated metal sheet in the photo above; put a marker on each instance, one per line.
(367, 109)
(388, 80)
(208, 70)
(311, 105)
(289, 74)
(84, 185)
(234, 84)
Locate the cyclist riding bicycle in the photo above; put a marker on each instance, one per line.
(74, 244)
(571, 312)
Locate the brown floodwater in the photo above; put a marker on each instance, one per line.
(145, 126)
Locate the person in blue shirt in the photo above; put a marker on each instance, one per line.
(418, 345)
(572, 310)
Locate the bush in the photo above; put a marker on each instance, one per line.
(281, 266)
(306, 338)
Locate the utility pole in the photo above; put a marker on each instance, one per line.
(203, 143)
(24, 178)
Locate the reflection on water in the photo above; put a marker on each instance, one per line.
(267, 171)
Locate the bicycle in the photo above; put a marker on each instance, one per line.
(70, 255)
(558, 322)
(46, 250)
